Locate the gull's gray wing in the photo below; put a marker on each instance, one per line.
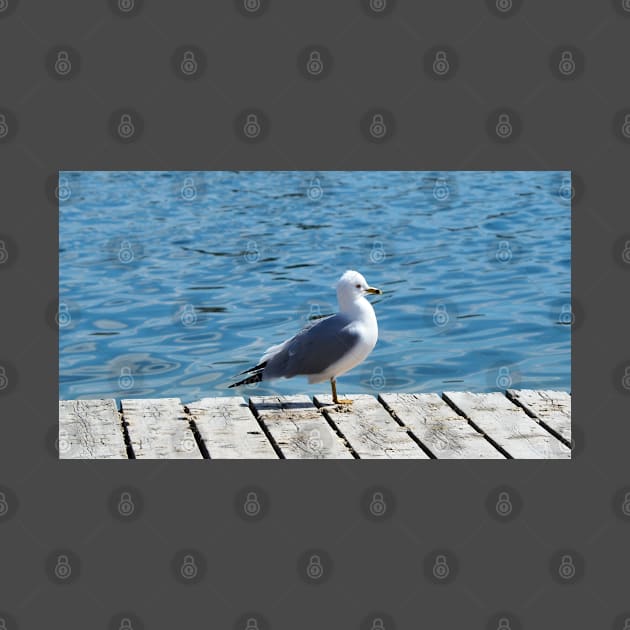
(313, 349)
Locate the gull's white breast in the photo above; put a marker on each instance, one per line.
(365, 324)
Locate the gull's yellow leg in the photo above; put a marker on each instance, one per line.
(338, 401)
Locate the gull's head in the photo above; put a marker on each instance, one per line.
(352, 286)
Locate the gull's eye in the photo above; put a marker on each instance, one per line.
(358, 286)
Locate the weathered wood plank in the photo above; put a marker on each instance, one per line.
(298, 428)
(159, 429)
(229, 429)
(552, 408)
(370, 429)
(90, 429)
(440, 429)
(508, 425)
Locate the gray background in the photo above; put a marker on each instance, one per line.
(128, 567)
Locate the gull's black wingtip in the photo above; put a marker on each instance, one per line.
(260, 366)
(255, 378)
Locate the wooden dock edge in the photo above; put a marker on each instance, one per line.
(515, 424)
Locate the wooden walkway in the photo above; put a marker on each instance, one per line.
(519, 424)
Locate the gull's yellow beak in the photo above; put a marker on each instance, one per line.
(374, 291)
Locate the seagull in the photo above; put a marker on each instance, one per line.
(330, 347)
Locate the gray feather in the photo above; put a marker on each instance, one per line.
(314, 349)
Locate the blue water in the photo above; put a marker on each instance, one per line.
(171, 283)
